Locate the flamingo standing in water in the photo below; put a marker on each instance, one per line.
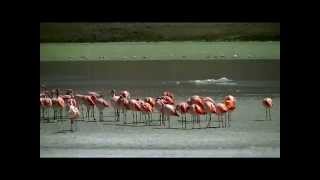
(152, 102)
(195, 99)
(159, 103)
(114, 102)
(169, 110)
(221, 109)
(58, 104)
(209, 108)
(230, 102)
(101, 105)
(123, 104)
(80, 103)
(267, 103)
(89, 103)
(146, 110)
(208, 99)
(45, 105)
(195, 110)
(74, 114)
(125, 94)
(182, 108)
(168, 100)
(135, 107)
(168, 93)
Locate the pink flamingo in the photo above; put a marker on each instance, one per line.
(168, 93)
(141, 102)
(169, 110)
(45, 105)
(58, 104)
(209, 108)
(146, 110)
(114, 103)
(74, 114)
(89, 103)
(230, 102)
(125, 94)
(159, 103)
(80, 103)
(208, 99)
(267, 103)
(68, 99)
(152, 102)
(195, 110)
(182, 108)
(123, 104)
(135, 106)
(168, 100)
(221, 109)
(196, 100)
(101, 105)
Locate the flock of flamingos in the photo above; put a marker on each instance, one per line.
(77, 104)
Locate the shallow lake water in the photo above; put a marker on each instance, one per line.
(249, 80)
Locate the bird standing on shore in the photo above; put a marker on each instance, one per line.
(195, 110)
(101, 105)
(221, 109)
(114, 102)
(230, 102)
(169, 110)
(267, 103)
(182, 108)
(74, 114)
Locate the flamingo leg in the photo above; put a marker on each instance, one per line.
(266, 114)
(182, 118)
(185, 121)
(125, 115)
(136, 121)
(93, 112)
(269, 114)
(192, 121)
(87, 112)
(71, 124)
(209, 121)
(164, 119)
(225, 120)
(81, 109)
(229, 119)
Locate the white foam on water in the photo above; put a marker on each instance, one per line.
(220, 81)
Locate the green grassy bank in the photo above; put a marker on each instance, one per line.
(116, 32)
(134, 51)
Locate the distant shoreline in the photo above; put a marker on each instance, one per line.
(154, 32)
